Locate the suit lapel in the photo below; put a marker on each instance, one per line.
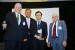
(51, 24)
(41, 24)
(26, 23)
(30, 22)
(15, 18)
(58, 26)
(21, 19)
(59, 23)
(36, 25)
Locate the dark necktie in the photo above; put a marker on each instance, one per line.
(54, 31)
(38, 25)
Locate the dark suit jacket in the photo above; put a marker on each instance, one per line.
(31, 29)
(44, 29)
(14, 32)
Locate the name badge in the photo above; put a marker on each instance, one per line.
(24, 23)
(40, 31)
(60, 28)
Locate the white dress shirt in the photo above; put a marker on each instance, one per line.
(28, 22)
(38, 22)
(56, 28)
(19, 17)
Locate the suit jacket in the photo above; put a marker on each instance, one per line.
(32, 22)
(14, 32)
(30, 31)
(62, 32)
(44, 29)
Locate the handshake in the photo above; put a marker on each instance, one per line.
(38, 37)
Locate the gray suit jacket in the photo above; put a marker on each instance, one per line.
(62, 32)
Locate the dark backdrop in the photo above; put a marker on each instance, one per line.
(67, 13)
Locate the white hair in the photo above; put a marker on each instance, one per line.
(19, 4)
(55, 14)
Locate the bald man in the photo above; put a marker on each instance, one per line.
(15, 32)
(57, 33)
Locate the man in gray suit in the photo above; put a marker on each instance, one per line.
(57, 34)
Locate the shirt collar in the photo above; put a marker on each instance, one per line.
(27, 18)
(38, 21)
(56, 22)
(16, 13)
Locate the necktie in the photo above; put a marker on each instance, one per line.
(18, 18)
(38, 25)
(39, 29)
(54, 31)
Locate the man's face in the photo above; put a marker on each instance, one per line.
(55, 18)
(28, 13)
(38, 16)
(17, 8)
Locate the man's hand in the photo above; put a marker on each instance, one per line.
(64, 43)
(42, 39)
(39, 37)
(48, 44)
(25, 40)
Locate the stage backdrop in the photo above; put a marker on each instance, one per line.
(47, 14)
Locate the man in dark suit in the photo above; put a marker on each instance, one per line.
(40, 32)
(15, 31)
(29, 22)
